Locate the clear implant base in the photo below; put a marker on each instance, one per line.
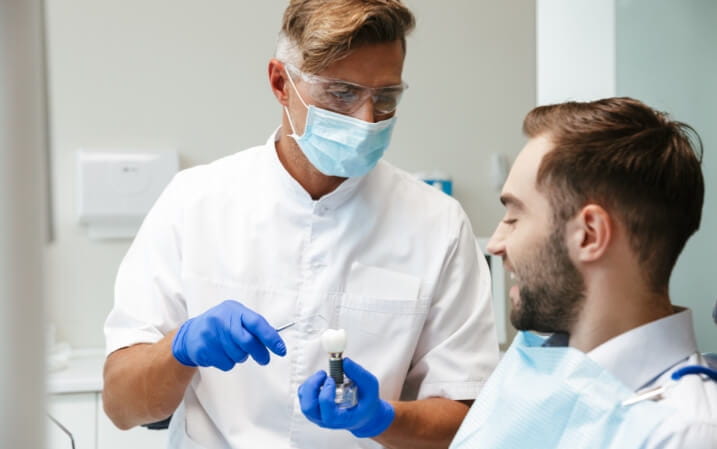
(346, 394)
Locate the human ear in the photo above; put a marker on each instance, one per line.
(592, 231)
(277, 81)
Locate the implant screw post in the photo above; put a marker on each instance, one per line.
(346, 391)
(334, 343)
(336, 367)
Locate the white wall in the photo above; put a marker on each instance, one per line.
(575, 50)
(663, 53)
(192, 76)
(667, 57)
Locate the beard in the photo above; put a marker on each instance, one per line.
(551, 289)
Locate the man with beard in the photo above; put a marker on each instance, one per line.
(599, 205)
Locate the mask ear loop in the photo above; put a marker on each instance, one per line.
(288, 115)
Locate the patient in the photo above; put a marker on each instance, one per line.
(599, 205)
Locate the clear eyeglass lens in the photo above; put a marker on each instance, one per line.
(345, 98)
(386, 103)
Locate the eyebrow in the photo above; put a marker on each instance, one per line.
(509, 200)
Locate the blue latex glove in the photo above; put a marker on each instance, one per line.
(225, 335)
(370, 417)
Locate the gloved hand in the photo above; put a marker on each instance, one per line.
(226, 335)
(370, 417)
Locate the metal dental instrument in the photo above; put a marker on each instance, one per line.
(316, 322)
(656, 393)
(285, 326)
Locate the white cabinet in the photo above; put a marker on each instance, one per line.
(78, 413)
(109, 437)
(75, 400)
(82, 415)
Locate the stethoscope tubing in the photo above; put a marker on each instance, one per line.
(695, 369)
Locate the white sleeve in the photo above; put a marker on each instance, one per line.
(458, 346)
(148, 300)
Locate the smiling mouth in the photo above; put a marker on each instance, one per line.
(510, 271)
(514, 278)
(514, 291)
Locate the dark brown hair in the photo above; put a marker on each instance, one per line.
(633, 161)
(324, 31)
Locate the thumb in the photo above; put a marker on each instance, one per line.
(365, 381)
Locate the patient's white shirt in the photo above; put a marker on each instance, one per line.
(645, 357)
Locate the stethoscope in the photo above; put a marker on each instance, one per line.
(694, 369)
(656, 393)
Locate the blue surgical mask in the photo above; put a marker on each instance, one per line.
(340, 145)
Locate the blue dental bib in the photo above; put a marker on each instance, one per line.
(555, 398)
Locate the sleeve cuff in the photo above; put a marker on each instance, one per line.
(458, 391)
(125, 338)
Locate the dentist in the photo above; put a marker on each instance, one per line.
(313, 222)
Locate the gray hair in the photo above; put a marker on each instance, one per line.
(287, 51)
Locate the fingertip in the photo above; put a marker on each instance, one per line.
(224, 363)
(328, 390)
(361, 376)
(315, 380)
(265, 333)
(327, 400)
(329, 382)
(351, 367)
(261, 359)
(231, 303)
(279, 349)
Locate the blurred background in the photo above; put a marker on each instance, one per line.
(87, 84)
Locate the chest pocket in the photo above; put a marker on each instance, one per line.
(381, 303)
(383, 314)
(276, 306)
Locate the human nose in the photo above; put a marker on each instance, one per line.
(496, 244)
(365, 112)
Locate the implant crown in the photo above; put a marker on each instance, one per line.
(334, 340)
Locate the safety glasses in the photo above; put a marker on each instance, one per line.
(345, 97)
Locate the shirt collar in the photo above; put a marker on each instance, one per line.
(558, 339)
(330, 201)
(639, 356)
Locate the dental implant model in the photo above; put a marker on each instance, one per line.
(334, 342)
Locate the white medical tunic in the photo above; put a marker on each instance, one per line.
(384, 256)
(645, 357)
